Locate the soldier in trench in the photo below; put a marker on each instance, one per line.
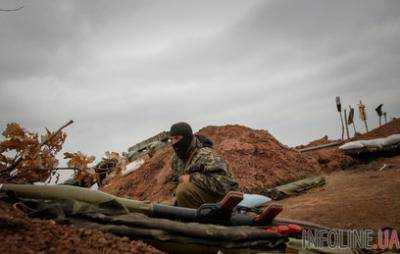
(203, 175)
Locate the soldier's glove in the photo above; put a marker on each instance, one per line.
(196, 168)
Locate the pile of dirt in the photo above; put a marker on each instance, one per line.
(256, 158)
(20, 234)
(392, 127)
(331, 158)
(321, 141)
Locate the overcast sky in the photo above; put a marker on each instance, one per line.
(125, 70)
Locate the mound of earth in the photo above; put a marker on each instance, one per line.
(20, 234)
(392, 127)
(322, 141)
(256, 158)
(331, 158)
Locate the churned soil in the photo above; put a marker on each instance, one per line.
(322, 141)
(256, 159)
(392, 127)
(363, 196)
(20, 234)
(331, 158)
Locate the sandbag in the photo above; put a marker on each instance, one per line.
(294, 188)
(390, 143)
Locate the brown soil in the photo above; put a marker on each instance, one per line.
(322, 141)
(332, 158)
(392, 127)
(360, 197)
(255, 157)
(20, 234)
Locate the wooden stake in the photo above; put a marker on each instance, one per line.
(363, 116)
(341, 121)
(346, 124)
(351, 119)
(354, 128)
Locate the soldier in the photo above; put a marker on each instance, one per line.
(204, 176)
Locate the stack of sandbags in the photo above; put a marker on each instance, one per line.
(387, 144)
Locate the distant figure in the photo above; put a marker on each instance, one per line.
(203, 175)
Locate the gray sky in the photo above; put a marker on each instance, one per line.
(125, 70)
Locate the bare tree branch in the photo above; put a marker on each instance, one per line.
(16, 9)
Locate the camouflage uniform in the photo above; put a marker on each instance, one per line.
(210, 178)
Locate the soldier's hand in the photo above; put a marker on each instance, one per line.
(184, 178)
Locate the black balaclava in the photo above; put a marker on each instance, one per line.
(182, 147)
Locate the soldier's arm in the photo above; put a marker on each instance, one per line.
(175, 168)
(209, 172)
(208, 162)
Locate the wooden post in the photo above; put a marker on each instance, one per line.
(363, 116)
(342, 124)
(379, 112)
(346, 124)
(351, 119)
(339, 109)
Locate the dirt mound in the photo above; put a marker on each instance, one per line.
(322, 141)
(255, 157)
(20, 234)
(392, 127)
(331, 158)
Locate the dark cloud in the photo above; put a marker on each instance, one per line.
(126, 70)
